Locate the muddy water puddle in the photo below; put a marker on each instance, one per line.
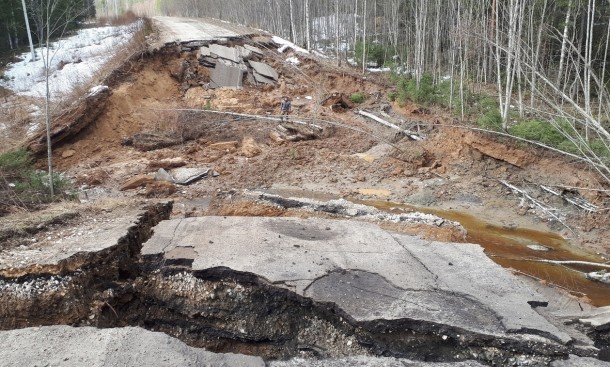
(519, 248)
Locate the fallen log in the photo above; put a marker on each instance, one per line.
(537, 203)
(576, 201)
(410, 134)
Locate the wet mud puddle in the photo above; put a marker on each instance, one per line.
(522, 249)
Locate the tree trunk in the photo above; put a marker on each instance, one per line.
(307, 25)
(27, 27)
(364, 38)
(293, 30)
(337, 38)
(564, 44)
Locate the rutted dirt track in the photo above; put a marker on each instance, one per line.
(161, 114)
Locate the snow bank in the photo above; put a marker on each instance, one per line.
(293, 60)
(285, 44)
(73, 61)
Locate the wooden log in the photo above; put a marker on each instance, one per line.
(410, 134)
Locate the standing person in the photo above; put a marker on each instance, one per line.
(285, 107)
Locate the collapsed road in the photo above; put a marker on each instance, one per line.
(278, 288)
(147, 287)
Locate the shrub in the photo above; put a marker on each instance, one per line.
(540, 131)
(426, 93)
(21, 185)
(600, 148)
(357, 97)
(15, 163)
(492, 120)
(375, 52)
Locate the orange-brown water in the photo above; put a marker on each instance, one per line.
(508, 247)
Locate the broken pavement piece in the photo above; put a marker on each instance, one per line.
(475, 295)
(225, 52)
(203, 52)
(264, 69)
(244, 53)
(254, 49)
(226, 76)
(262, 79)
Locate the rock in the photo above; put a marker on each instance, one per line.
(136, 181)
(229, 146)
(186, 176)
(276, 137)
(168, 163)
(177, 69)
(160, 189)
(249, 148)
(68, 153)
(162, 175)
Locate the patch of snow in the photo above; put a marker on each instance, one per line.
(285, 44)
(379, 70)
(33, 129)
(97, 89)
(293, 60)
(72, 61)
